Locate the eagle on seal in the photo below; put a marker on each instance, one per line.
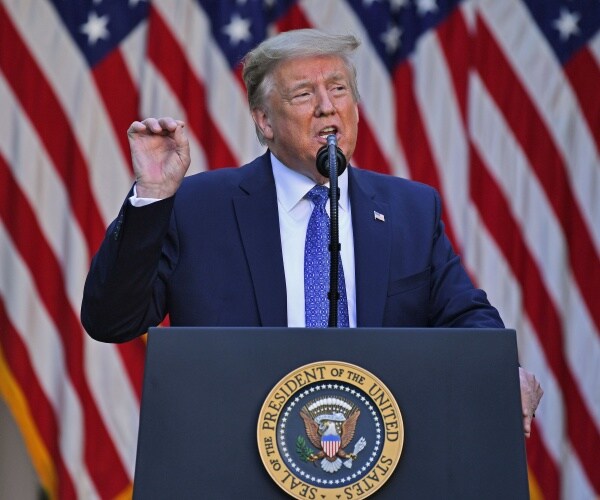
(330, 433)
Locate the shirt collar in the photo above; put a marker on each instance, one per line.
(292, 186)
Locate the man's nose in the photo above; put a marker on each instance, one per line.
(324, 103)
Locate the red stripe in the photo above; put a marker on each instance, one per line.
(120, 97)
(413, 137)
(133, 354)
(38, 100)
(41, 410)
(546, 161)
(166, 54)
(544, 468)
(584, 75)
(101, 457)
(116, 86)
(540, 308)
(293, 19)
(368, 153)
(457, 43)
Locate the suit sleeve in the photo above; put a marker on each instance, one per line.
(454, 300)
(124, 292)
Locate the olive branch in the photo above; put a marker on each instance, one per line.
(303, 449)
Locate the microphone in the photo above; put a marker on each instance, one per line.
(328, 153)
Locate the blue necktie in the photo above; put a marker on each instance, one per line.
(316, 266)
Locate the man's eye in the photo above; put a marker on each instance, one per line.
(302, 96)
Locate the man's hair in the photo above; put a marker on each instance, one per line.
(260, 63)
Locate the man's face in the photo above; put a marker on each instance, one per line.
(310, 99)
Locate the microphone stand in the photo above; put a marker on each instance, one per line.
(331, 162)
(334, 239)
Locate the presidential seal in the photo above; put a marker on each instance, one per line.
(330, 430)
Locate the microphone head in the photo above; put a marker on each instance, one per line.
(323, 158)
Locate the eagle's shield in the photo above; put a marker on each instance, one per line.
(330, 444)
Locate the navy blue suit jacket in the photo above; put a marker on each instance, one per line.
(211, 256)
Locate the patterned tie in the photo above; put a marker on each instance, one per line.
(316, 266)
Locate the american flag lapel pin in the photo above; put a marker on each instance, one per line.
(378, 216)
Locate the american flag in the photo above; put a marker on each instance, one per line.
(496, 103)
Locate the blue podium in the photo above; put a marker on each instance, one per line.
(457, 390)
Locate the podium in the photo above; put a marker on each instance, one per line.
(457, 390)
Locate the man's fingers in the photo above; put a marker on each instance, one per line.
(527, 425)
(162, 126)
(531, 393)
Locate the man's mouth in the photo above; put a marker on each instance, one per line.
(328, 131)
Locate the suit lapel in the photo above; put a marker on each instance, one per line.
(258, 222)
(372, 247)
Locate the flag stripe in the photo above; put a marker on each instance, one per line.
(508, 165)
(115, 84)
(413, 136)
(74, 91)
(548, 89)
(188, 90)
(40, 426)
(545, 160)
(546, 475)
(584, 74)
(39, 102)
(45, 193)
(42, 340)
(99, 452)
(544, 317)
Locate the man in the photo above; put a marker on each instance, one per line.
(227, 247)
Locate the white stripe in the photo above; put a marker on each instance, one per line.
(44, 346)
(550, 416)
(377, 94)
(544, 238)
(67, 72)
(133, 50)
(575, 483)
(37, 178)
(226, 99)
(158, 100)
(542, 76)
(469, 12)
(114, 397)
(434, 92)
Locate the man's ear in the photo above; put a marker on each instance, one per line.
(261, 118)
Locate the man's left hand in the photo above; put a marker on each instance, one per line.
(531, 393)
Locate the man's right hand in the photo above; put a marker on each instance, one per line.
(160, 152)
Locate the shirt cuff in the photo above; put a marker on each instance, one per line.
(141, 202)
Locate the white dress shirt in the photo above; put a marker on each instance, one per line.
(294, 212)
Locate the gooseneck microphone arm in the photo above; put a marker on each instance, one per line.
(331, 162)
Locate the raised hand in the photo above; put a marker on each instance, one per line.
(160, 153)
